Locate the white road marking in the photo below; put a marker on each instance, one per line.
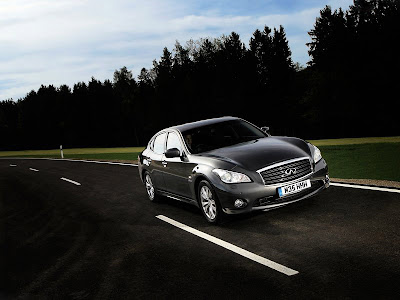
(365, 187)
(98, 162)
(11, 165)
(71, 181)
(254, 257)
(32, 169)
(79, 160)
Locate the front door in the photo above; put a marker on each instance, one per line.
(176, 173)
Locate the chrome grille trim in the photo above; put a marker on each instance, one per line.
(277, 172)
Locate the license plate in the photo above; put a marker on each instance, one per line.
(294, 188)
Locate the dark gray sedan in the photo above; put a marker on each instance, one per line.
(229, 166)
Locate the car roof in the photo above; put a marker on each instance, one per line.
(196, 124)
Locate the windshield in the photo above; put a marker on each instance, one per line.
(219, 135)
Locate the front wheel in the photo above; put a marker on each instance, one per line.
(151, 191)
(209, 203)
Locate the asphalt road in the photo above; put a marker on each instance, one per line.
(102, 239)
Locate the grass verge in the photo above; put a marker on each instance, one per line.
(379, 161)
(356, 141)
(122, 153)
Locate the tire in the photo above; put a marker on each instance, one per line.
(150, 188)
(209, 203)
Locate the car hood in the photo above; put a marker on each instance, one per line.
(256, 154)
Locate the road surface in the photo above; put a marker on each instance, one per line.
(81, 230)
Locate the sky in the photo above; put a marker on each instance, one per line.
(66, 41)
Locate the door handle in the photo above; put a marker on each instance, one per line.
(164, 163)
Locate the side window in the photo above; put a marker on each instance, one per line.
(159, 143)
(151, 144)
(174, 141)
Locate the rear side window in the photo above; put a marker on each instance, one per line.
(151, 144)
(159, 143)
(173, 141)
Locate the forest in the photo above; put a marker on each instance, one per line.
(349, 88)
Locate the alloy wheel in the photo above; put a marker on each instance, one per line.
(149, 187)
(208, 202)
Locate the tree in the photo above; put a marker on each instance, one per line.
(353, 58)
(8, 124)
(282, 64)
(329, 39)
(124, 89)
(271, 58)
(261, 48)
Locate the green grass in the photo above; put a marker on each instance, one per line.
(123, 153)
(354, 158)
(108, 156)
(362, 158)
(363, 161)
(356, 141)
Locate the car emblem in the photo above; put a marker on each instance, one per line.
(290, 171)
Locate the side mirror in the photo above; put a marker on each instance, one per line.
(173, 152)
(265, 129)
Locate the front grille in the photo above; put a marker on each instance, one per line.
(273, 175)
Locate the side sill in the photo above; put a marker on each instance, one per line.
(176, 197)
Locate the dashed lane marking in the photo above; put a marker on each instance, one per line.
(254, 257)
(70, 181)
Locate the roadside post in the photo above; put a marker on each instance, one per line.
(61, 150)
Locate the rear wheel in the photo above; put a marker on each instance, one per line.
(209, 203)
(151, 191)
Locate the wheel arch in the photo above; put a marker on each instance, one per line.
(197, 181)
(144, 171)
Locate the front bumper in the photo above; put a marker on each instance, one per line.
(258, 196)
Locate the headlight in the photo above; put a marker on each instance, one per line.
(317, 154)
(231, 177)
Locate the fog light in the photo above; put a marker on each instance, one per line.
(239, 203)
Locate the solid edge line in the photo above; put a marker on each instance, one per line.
(69, 180)
(79, 160)
(365, 187)
(362, 184)
(32, 169)
(254, 257)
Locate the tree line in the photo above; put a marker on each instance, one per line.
(349, 87)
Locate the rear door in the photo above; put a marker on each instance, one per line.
(156, 165)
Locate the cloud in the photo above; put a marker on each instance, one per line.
(63, 42)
